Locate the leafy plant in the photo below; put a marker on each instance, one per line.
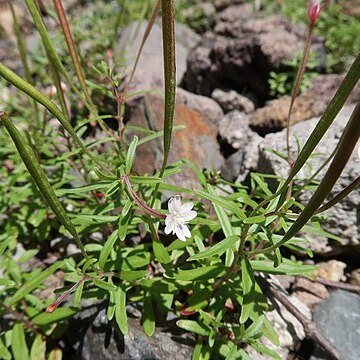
(337, 28)
(281, 83)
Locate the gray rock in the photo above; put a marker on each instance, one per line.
(235, 131)
(241, 48)
(93, 337)
(343, 219)
(338, 318)
(149, 73)
(231, 100)
(312, 103)
(222, 4)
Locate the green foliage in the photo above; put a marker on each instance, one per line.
(338, 29)
(281, 83)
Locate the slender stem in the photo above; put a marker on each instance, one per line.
(355, 184)
(23, 57)
(296, 88)
(144, 206)
(73, 53)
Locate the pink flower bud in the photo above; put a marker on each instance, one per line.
(313, 10)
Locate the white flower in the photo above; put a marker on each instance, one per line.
(179, 215)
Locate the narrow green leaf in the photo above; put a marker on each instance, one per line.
(111, 306)
(59, 314)
(82, 189)
(145, 180)
(131, 155)
(38, 348)
(120, 310)
(7, 283)
(216, 250)
(37, 173)
(248, 284)
(255, 219)
(270, 332)
(148, 316)
(168, 33)
(201, 273)
(193, 326)
(18, 343)
(78, 294)
(161, 253)
(285, 268)
(124, 220)
(157, 134)
(218, 201)
(105, 251)
(4, 352)
(254, 328)
(104, 285)
(232, 354)
(34, 283)
(261, 348)
(132, 275)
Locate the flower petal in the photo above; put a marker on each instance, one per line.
(188, 215)
(186, 207)
(170, 224)
(186, 231)
(174, 204)
(182, 231)
(179, 232)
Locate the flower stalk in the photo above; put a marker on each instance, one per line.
(143, 206)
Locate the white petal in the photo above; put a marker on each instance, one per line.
(179, 232)
(174, 204)
(184, 208)
(182, 232)
(186, 231)
(169, 218)
(189, 215)
(169, 226)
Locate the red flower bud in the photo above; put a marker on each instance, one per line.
(313, 10)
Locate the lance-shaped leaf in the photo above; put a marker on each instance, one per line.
(345, 148)
(167, 7)
(37, 173)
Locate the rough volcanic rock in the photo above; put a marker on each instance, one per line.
(231, 100)
(150, 71)
(237, 137)
(273, 116)
(197, 142)
(341, 220)
(241, 52)
(93, 336)
(338, 318)
(222, 4)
